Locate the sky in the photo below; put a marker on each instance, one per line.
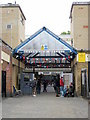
(53, 14)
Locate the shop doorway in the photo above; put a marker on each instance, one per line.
(89, 77)
(3, 83)
(84, 83)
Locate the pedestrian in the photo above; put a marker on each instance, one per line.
(44, 86)
(38, 86)
(34, 87)
(61, 87)
(58, 77)
(57, 85)
(71, 90)
(66, 92)
(54, 85)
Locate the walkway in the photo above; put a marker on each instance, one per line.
(45, 105)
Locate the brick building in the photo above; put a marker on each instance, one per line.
(80, 21)
(12, 33)
(10, 69)
(12, 20)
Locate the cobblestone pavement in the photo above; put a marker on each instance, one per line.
(45, 105)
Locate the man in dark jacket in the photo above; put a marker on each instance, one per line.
(57, 85)
(71, 90)
(38, 86)
(44, 86)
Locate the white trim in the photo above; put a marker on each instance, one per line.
(77, 57)
(5, 56)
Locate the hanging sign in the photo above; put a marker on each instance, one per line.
(81, 57)
(53, 59)
(69, 57)
(45, 47)
(20, 57)
(42, 47)
(24, 58)
(61, 59)
(30, 60)
(40, 60)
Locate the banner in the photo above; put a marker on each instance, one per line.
(40, 60)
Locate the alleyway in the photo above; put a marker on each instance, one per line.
(45, 105)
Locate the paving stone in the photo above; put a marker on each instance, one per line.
(45, 105)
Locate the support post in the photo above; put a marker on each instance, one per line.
(10, 73)
(18, 73)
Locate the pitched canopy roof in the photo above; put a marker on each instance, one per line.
(44, 40)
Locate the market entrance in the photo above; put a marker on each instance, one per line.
(45, 52)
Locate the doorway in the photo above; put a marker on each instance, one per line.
(3, 83)
(84, 83)
(89, 77)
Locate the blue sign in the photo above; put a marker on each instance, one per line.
(45, 47)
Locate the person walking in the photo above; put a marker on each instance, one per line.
(38, 86)
(44, 86)
(57, 85)
(71, 90)
(34, 87)
(61, 87)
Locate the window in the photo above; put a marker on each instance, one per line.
(22, 20)
(21, 41)
(9, 26)
(26, 78)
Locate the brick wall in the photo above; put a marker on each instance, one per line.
(7, 67)
(11, 69)
(77, 76)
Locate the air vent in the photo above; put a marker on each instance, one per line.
(9, 26)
